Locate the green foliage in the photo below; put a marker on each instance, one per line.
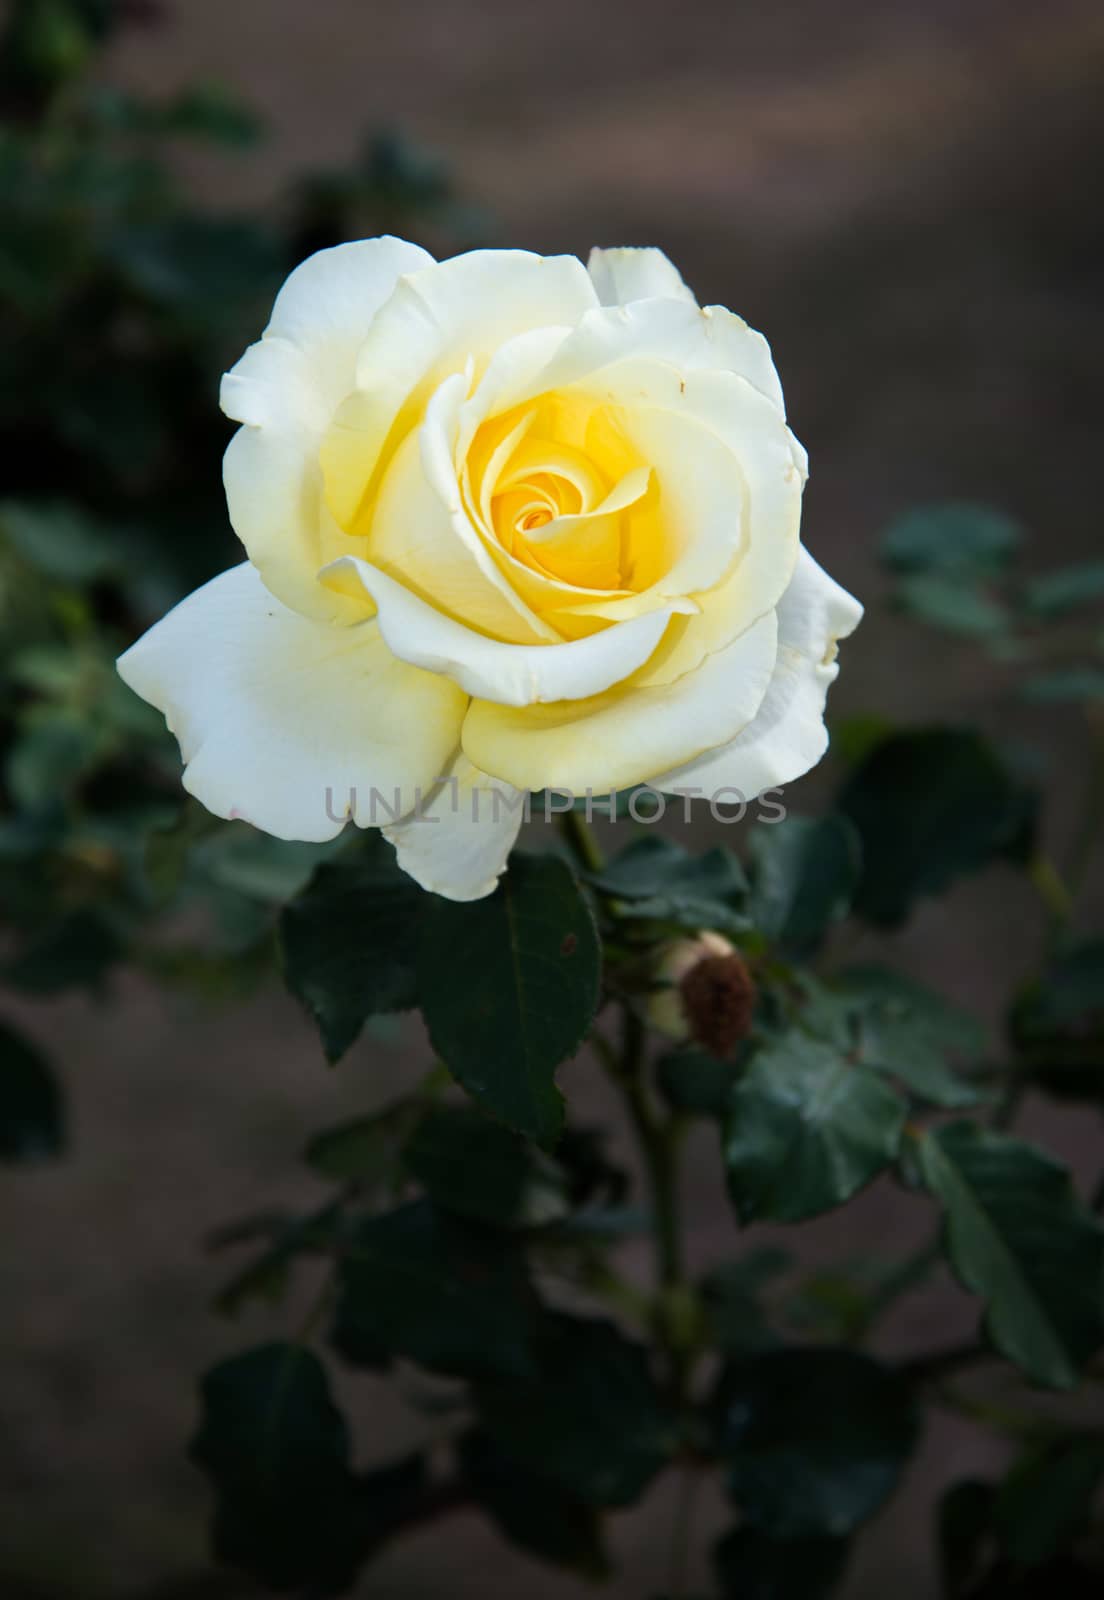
(806, 1129)
(805, 872)
(509, 987)
(1018, 1236)
(420, 1283)
(814, 1440)
(290, 1510)
(930, 807)
(655, 880)
(588, 1416)
(32, 1117)
(350, 943)
(751, 1566)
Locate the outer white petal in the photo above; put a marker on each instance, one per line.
(508, 674)
(710, 339)
(621, 737)
(319, 321)
(788, 735)
(285, 390)
(457, 843)
(628, 274)
(290, 724)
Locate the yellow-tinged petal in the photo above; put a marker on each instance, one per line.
(625, 735)
(285, 390)
(470, 305)
(509, 674)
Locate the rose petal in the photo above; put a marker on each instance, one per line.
(287, 722)
(456, 844)
(622, 737)
(285, 390)
(626, 274)
(508, 674)
(788, 736)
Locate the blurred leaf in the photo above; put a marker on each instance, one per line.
(419, 1283)
(367, 1150)
(589, 1417)
(1047, 1500)
(806, 1129)
(75, 952)
(964, 1527)
(732, 1297)
(532, 1510)
(508, 986)
(32, 1116)
(814, 1439)
(659, 881)
(930, 807)
(695, 1083)
(53, 753)
(951, 602)
(481, 1170)
(289, 1510)
(804, 872)
(59, 540)
(957, 538)
(1065, 589)
(1064, 684)
(1057, 1023)
(751, 1566)
(1018, 1236)
(349, 943)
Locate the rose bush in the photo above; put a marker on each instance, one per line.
(510, 521)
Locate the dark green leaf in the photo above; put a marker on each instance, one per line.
(912, 1034)
(804, 872)
(806, 1129)
(509, 986)
(419, 1283)
(1018, 1236)
(349, 943)
(367, 1149)
(732, 1296)
(532, 1510)
(1057, 1023)
(750, 1566)
(74, 953)
(1047, 1500)
(930, 807)
(957, 538)
(814, 1439)
(289, 1510)
(964, 1526)
(481, 1170)
(659, 881)
(590, 1417)
(696, 1083)
(32, 1117)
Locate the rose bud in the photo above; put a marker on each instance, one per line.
(704, 993)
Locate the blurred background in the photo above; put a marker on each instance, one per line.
(903, 196)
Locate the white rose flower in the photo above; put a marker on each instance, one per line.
(511, 524)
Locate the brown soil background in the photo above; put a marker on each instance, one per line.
(905, 197)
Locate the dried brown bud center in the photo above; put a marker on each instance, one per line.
(718, 998)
